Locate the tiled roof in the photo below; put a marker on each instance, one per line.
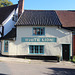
(67, 18)
(38, 18)
(5, 12)
(47, 17)
(10, 35)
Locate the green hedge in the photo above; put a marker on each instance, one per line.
(73, 59)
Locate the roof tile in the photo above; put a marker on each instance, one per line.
(38, 18)
(67, 18)
(5, 12)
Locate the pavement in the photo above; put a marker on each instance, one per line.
(30, 61)
(24, 60)
(19, 66)
(13, 59)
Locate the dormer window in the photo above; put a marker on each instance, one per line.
(38, 31)
(14, 18)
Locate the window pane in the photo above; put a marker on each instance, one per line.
(35, 31)
(42, 31)
(31, 49)
(6, 46)
(41, 49)
(38, 31)
(36, 49)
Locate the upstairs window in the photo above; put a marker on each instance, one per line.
(38, 31)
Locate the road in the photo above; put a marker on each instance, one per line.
(47, 68)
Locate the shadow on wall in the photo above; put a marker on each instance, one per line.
(58, 33)
(61, 71)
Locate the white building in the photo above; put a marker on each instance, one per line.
(8, 17)
(39, 33)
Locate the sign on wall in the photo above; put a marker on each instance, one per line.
(38, 39)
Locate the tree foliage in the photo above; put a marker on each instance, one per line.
(4, 3)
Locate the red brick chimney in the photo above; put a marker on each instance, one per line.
(20, 7)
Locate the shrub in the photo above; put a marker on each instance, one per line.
(73, 59)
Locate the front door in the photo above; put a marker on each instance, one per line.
(66, 51)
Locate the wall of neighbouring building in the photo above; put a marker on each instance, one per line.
(2, 51)
(9, 23)
(73, 44)
(0, 46)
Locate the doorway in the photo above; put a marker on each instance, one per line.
(65, 51)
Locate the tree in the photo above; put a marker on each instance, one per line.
(4, 3)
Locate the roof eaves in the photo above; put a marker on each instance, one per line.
(36, 25)
(18, 19)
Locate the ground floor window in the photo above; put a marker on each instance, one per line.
(5, 46)
(36, 49)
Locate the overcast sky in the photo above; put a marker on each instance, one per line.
(48, 4)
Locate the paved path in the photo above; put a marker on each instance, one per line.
(11, 59)
(37, 67)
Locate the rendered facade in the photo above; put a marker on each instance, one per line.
(39, 33)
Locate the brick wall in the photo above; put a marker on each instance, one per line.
(73, 44)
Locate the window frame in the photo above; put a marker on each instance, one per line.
(4, 46)
(40, 31)
(34, 49)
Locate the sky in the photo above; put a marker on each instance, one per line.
(47, 4)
